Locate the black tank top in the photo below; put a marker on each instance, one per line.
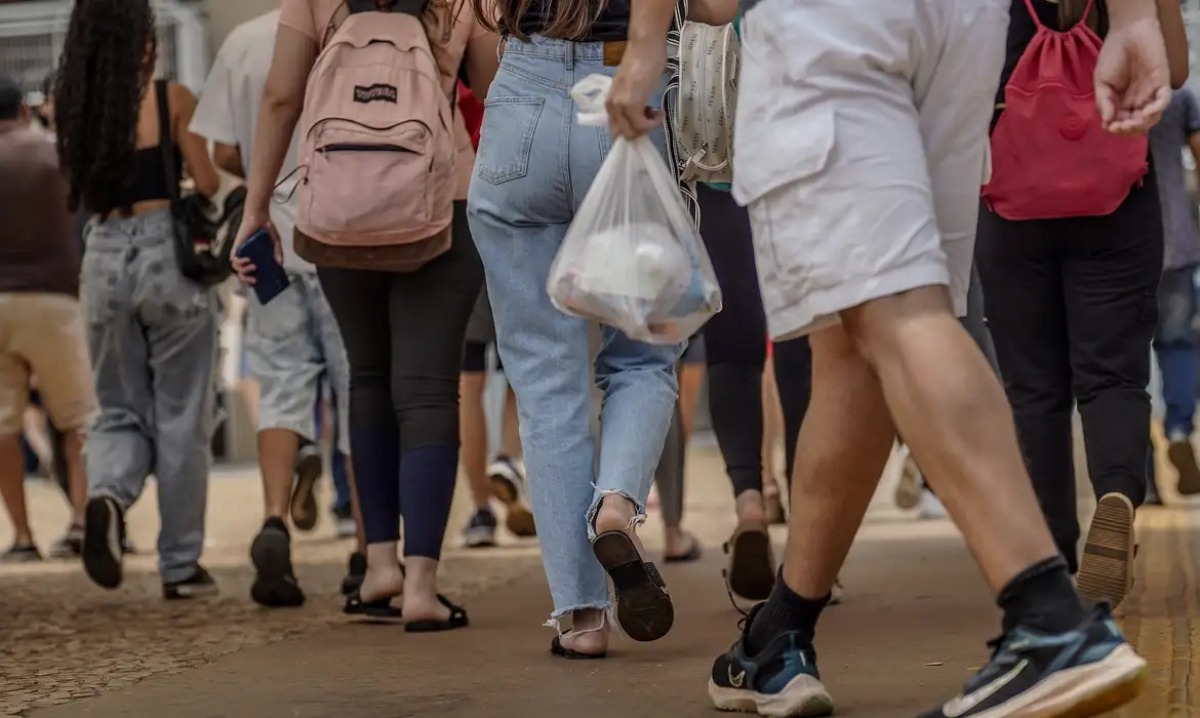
(149, 175)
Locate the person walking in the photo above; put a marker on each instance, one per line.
(41, 323)
(1177, 339)
(152, 333)
(293, 342)
(534, 167)
(875, 276)
(1072, 306)
(403, 423)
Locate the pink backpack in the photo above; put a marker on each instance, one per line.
(1051, 157)
(376, 143)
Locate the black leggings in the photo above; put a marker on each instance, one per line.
(735, 341)
(1072, 308)
(404, 339)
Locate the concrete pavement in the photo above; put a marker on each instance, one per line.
(911, 631)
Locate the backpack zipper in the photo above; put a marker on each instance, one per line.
(352, 147)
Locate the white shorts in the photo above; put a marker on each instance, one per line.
(861, 146)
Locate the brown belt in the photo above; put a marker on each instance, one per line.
(614, 52)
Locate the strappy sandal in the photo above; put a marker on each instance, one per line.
(644, 609)
(751, 571)
(558, 649)
(380, 609)
(458, 619)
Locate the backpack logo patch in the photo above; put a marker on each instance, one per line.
(375, 93)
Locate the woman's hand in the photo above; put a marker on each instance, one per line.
(640, 74)
(251, 223)
(1132, 76)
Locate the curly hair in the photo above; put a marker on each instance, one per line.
(106, 66)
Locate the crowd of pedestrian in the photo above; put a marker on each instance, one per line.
(412, 169)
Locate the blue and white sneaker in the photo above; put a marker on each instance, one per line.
(781, 680)
(1085, 672)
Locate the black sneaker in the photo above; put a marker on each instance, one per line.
(21, 553)
(481, 530)
(275, 584)
(356, 571)
(1084, 672)
(508, 485)
(103, 541)
(198, 585)
(781, 680)
(304, 498)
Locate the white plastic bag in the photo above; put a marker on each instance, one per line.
(632, 258)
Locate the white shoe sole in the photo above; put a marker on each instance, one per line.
(802, 697)
(1081, 692)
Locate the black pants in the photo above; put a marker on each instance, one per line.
(735, 342)
(1072, 308)
(403, 334)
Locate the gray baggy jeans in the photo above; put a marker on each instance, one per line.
(152, 335)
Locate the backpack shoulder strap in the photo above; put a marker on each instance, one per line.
(166, 144)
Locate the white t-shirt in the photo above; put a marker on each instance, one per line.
(228, 113)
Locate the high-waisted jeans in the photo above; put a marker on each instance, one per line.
(535, 165)
(152, 335)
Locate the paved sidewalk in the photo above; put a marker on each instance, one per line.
(910, 632)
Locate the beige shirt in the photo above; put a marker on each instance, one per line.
(455, 27)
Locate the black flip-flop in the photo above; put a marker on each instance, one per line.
(458, 619)
(644, 609)
(557, 649)
(381, 609)
(751, 572)
(692, 554)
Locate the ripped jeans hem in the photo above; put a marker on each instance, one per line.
(638, 519)
(556, 617)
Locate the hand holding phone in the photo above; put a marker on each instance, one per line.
(270, 278)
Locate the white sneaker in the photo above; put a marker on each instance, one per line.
(909, 490)
(931, 507)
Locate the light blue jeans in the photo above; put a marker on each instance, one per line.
(534, 166)
(152, 335)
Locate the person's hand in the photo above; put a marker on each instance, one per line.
(1133, 79)
(639, 75)
(251, 223)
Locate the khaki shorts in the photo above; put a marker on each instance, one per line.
(861, 146)
(42, 336)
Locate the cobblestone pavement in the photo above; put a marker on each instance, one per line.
(909, 633)
(62, 638)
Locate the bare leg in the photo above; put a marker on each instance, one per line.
(76, 474)
(841, 453)
(472, 425)
(277, 460)
(511, 431)
(773, 428)
(12, 488)
(950, 408)
(691, 379)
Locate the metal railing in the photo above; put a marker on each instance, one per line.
(32, 36)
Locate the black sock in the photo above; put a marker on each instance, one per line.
(276, 523)
(784, 611)
(1042, 597)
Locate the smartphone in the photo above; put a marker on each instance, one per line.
(270, 278)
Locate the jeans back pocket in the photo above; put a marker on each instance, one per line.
(506, 139)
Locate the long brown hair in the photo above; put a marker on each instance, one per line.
(1071, 11)
(572, 18)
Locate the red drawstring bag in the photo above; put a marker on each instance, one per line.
(1051, 157)
(472, 110)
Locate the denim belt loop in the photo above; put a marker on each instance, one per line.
(570, 55)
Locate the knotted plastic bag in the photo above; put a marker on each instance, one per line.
(632, 258)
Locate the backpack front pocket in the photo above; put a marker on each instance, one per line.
(366, 182)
